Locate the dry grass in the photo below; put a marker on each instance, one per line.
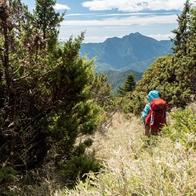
(137, 166)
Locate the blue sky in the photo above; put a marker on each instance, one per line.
(102, 19)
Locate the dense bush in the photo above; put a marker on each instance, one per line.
(183, 128)
(47, 94)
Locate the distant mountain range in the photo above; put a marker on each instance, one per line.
(132, 52)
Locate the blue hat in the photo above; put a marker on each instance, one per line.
(153, 94)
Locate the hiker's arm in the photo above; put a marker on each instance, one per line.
(145, 112)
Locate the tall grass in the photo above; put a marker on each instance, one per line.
(135, 165)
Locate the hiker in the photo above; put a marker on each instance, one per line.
(154, 113)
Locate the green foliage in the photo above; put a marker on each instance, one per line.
(174, 76)
(117, 78)
(47, 21)
(128, 85)
(183, 129)
(136, 165)
(88, 114)
(156, 77)
(80, 163)
(133, 103)
(182, 64)
(7, 174)
(50, 96)
(101, 91)
(80, 149)
(76, 168)
(182, 33)
(46, 98)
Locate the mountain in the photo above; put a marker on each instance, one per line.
(131, 52)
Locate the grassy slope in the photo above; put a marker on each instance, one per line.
(132, 167)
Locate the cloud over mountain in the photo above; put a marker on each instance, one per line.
(134, 5)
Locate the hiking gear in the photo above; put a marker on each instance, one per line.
(156, 117)
(151, 95)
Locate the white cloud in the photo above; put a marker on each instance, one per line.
(92, 14)
(161, 36)
(80, 14)
(157, 25)
(164, 19)
(99, 39)
(95, 39)
(61, 7)
(100, 30)
(135, 5)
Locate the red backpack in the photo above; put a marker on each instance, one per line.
(156, 118)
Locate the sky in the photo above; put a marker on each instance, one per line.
(102, 19)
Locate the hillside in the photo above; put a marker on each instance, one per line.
(137, 166)
(131, 52)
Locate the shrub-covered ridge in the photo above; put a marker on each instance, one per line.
(136, 165)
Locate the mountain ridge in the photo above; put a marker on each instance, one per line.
(131, 52)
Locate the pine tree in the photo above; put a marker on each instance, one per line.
(47, 21)
(182, 33)
(128, 85)
(191, 59)
(101, 91)
(181, 60)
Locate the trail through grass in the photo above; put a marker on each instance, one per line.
(136, 165)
